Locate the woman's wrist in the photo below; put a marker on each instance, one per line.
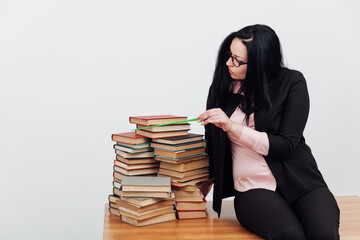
(229, 128)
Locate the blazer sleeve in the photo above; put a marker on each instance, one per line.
(208, 132)
(294, 118)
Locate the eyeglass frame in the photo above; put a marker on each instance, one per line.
(234, 60)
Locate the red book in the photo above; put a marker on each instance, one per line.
(129, 137)
(155, 119)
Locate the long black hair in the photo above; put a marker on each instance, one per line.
(263, 63)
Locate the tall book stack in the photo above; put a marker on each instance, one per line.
(134, 157)
(183, 158)
(172, 130)
(146, 200)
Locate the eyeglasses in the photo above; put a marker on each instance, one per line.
(234, 60)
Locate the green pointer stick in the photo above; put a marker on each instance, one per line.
(165, 124)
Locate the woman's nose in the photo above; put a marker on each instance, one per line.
(229, 62)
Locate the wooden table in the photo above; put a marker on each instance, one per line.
(226, 227)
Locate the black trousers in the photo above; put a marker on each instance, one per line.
(267, 214)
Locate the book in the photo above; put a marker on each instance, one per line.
(191, 182)
(155, 119)
(145, 215)
(113, 205)
(184, 175)
(139, 209)
(136, 160)
(117, 191)
(135, 172)
(183, 214)
(180, 193)
(199, 206)
(117, 184)
(189, 188)
(135, 155)
(157, 219)
(132, 150)
(187, 166)
(145, 194)
(135, 166)
(148, 184)
(113, 198)
(144, 201)
(179, 154)
(119, 176)
(191, 137)
(167, 128)
(129, 138)
(189, 199)
(177, 147)
(185, 179)
(134, 146)
(181, 160)
(114, 211)
(161, 134)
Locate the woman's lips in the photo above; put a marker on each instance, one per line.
(230, 71)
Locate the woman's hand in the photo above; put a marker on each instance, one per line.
(217, 117)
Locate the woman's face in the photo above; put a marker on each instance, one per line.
(239, 52)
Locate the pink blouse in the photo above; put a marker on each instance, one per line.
(250, 169)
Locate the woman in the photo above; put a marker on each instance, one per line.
(256, 113)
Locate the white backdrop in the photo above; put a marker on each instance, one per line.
(72, 72)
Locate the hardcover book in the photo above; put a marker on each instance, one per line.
(135, 172)
(149, 184)
(178, 147)
(113, 198)
(155, 119)
(200, 206)
(129, 138)
(191, 137)
(114, 211)
(167, 128)
(181, 160)
(136, 160)
(145, 215)
(191, 182)
(135, 155)
(187, 166)
(135, 166)
(117, 184)
(139, 209)
(132, 150)
(185, 179)
(134, 146)
(161, 134)
(183, 175)
(180, 154)
(144, 201)
(157, 219)
(145, 194)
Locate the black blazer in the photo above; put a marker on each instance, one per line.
(289, 158)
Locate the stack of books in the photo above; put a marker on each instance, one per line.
(134, 157)
(172, 130)
(190, 202)
(183, 158)
(146, 200)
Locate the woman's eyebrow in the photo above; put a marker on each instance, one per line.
(239, 57)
